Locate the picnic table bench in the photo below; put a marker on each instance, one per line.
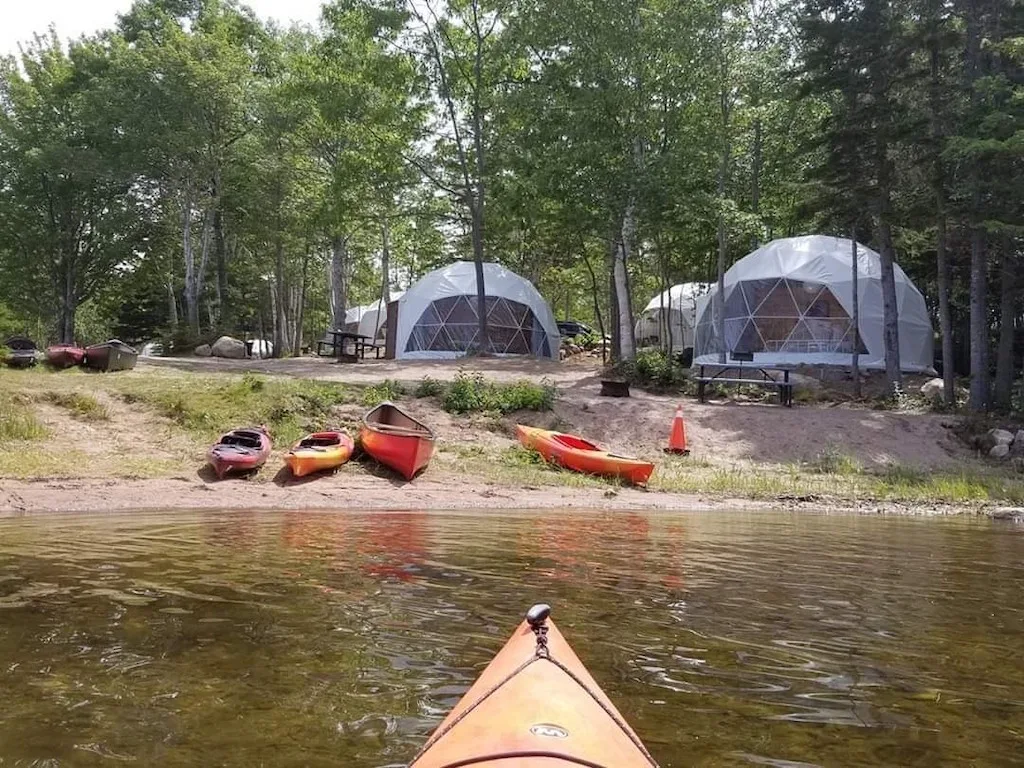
(341, 341)
(736, 373)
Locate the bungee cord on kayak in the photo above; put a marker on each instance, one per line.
(493, 740)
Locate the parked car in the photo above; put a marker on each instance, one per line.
(570, 329)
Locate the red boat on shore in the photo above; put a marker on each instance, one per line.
(397, 440)
(241, 450)
(64, 355)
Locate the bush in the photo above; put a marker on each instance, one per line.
(831, 460)
(654, 368)
(469, 393)
(429, 387)
(378, 393)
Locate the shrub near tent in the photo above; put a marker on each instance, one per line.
(790, 303)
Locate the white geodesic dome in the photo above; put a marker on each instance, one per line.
(370, 319)
(669, 319)
(790, 303)
(437, 316)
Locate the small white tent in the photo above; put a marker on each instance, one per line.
(370, 319)
(790, 303)
(669, 318)
(437, 316)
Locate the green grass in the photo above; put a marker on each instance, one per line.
(208, 406)
(17, 421)
(379, 393)
(831, 460)
(429, 387)
(80, 404)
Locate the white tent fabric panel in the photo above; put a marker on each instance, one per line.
(670, 316)
(801, 330)
(369, 319)
(437, 315)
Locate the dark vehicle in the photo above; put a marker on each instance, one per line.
(23, 352)
(570, 329)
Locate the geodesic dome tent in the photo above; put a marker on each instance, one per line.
(669, 319)
(437, 316)
(369, 319)
(789, 303)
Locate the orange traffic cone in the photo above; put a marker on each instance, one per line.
(677, 438)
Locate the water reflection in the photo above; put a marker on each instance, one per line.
(312, 638)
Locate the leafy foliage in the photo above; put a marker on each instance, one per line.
(379, 393)
(470, 393)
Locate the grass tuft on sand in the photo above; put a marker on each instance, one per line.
(78, 404)
(17, 421)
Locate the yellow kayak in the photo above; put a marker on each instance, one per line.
(319, 451)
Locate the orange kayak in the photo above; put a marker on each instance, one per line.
(573, 452)
(534, 706)
(319, 451)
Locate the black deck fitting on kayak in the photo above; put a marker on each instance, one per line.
(538, 614)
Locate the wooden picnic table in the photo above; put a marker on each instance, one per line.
(734, 373)
(341, 340)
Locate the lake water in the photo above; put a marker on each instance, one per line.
(341, 639)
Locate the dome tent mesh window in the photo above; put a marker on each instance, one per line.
(452, 324)
(780, 315)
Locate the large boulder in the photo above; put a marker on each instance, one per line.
(1017, 446)
(228, 347)
(933, 390)
(993, 438)
(203, 350)
(999, 451)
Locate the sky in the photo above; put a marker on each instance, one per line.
(19, 19)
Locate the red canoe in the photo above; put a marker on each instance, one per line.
(397, 440)
(535, 706)
(64, 355)
(242, 450)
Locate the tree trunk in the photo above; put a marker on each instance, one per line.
(725, 108)
(68, 308)
(220, 251)
(756, 163)
(624, 311)
(190, 294)
(483, 343)
(979, 395)
(597, 304)
(301, 311)
(939, 194)
(1003, 389)
(339, 281)
(855, 362)
(281, 311)
(890, 310)
(979, 322)
(172, 305)
(385, 262)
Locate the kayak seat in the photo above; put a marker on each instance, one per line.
(243, 439)
(578, 443)
(319, 442)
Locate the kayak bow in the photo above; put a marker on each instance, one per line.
(534, 706)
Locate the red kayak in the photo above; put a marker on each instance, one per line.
(241, 450)
(397, 440)
(535, 706)
(64, 355)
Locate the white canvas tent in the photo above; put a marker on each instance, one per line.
(370, 319)
(669, 319)
(790, 303)
(437, 316)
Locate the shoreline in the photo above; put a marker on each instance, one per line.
(69, 496)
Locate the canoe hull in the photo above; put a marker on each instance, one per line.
(406, 448)
(535, 716)
(64, 356)
(304, 460)
(110, 356)
(226, 457)
(569, 452)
